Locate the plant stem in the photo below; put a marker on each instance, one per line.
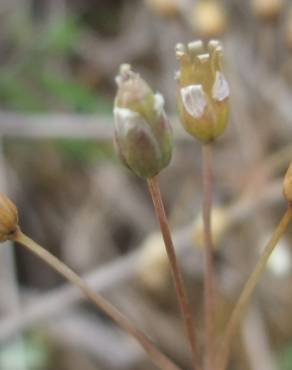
(245, 296)
(161, 361)
(209, 297)
(175, 270)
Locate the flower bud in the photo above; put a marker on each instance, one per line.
(165, 8)
(143, 135)
(203, 92)
(267, 10)
(8, 218)
(287, 184)
(209, 18)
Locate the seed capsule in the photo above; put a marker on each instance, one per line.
(203, 91)
(165, 8)
(8, 218)
(209, 18)
(267, 10)
(143, 135)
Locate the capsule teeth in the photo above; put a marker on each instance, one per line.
(213, 44)
(125, 69)
(177, 75)
(125, 73)
(180, 50)
(204, 58)
(196, 47)
(118, 80)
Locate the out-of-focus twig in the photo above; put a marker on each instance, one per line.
(8, 279)
(62, 125)
(255, 340)
(121, 270)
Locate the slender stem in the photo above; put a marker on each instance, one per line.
(209, 298)
(245, 296)
(161, 361)
(175, 270)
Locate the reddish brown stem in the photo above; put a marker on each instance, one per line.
(175, 270)
(161, 361)
(209, 297)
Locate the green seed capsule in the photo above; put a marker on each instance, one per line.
(143, 135)
(203, 92)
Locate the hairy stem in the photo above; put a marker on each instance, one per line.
(161, 361)
(175, 270)
(245, 296)
(209, 298)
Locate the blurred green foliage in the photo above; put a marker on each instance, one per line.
(40, 76)
(285, 359)
(32, 352)
(85, 150)
(44, 78)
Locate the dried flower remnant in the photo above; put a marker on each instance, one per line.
(8, 219)
(143, 135)
(209, 18)
(203, 91)
(287, 184)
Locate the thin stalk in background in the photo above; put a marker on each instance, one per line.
(209, 296)
(245, 296)
(175, 270)
(161, 361)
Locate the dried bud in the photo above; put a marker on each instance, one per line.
(287, 185)
(8, 218)
(209, 19)
(203, 92)
(267, 10)
(143, 135)
(165, 8)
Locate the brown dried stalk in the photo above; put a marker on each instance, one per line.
(161, 361)
(209, 297)
(175, 270)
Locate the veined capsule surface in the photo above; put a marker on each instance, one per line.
(143, 135)
(203, 91)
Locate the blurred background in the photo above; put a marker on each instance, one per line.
(57, 68)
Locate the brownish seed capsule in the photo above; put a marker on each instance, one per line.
(287, 184)
(165, 8)
(209, 19)
(8, 218)
(267, 10)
